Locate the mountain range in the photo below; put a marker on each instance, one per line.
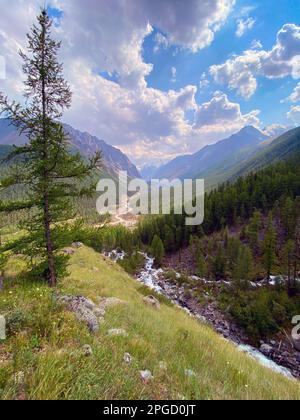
(213, 158)
(248, 150)
(86, 144)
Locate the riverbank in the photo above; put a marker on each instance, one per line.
(277, 354)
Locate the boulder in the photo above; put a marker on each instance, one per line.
(77, 244)
(151, 301)
(266, 349)
(127, 358)
(86, 310)
(83, 309)
(146, 376)
(119, 332)
(87, 350)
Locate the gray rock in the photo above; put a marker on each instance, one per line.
(105, 303)
(77, 244)
(82, 308)
(127, 358)
(117, 332)
(189, 373)
(266, 349)
(146, 376)
(87, 350)
(151, 301)
(69, 251)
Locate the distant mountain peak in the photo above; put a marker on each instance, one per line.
(237, 147)
(113, 159)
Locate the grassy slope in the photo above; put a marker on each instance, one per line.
(47, 347)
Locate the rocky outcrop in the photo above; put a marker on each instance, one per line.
(86, 311)
(83, 309)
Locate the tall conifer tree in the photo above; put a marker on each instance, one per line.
(48, 171)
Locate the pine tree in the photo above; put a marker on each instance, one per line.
(289, 253)
(158, 250)
(201, 266)
(297, 238)
(232, 252)
(219, 265)
(48, 172)
(288, 218)
(253, 230)
(269, 247)
(244, 267)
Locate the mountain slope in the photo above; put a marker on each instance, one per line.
(224, 154)
(113, 159)
(284, 147)
(47, 346)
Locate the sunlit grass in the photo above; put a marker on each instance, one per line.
(47, 344)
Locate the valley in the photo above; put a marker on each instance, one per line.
(187, 291)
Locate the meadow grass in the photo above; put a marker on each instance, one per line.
(45, 343)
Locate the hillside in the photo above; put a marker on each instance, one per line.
(113, 159)
(43, 358)
(215, 159)
(283, 148)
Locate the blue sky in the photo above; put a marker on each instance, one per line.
(270, 16)
(161, 78)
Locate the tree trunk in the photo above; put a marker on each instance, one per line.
(51, 275)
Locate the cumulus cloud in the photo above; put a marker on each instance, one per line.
(295, 96)
(275, 130)
(241, 72)
(220, 112)
(146, 123)
(294, 114)
(244, 25)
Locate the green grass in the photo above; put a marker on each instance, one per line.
(45, 344)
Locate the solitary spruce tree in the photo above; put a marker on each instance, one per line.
(50, 174)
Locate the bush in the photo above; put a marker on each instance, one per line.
(262, 313)
(16, 321)
(133, 264)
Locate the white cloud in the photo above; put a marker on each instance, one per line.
(241, 72)
(220, 113)
(161, 42)
(295, 96)
(256, 45)
(294, 114)
(173, 74)
(204, 82)
(244, 25)
(148, 124)
(275, 130)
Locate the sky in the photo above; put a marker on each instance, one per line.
(161, 78)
